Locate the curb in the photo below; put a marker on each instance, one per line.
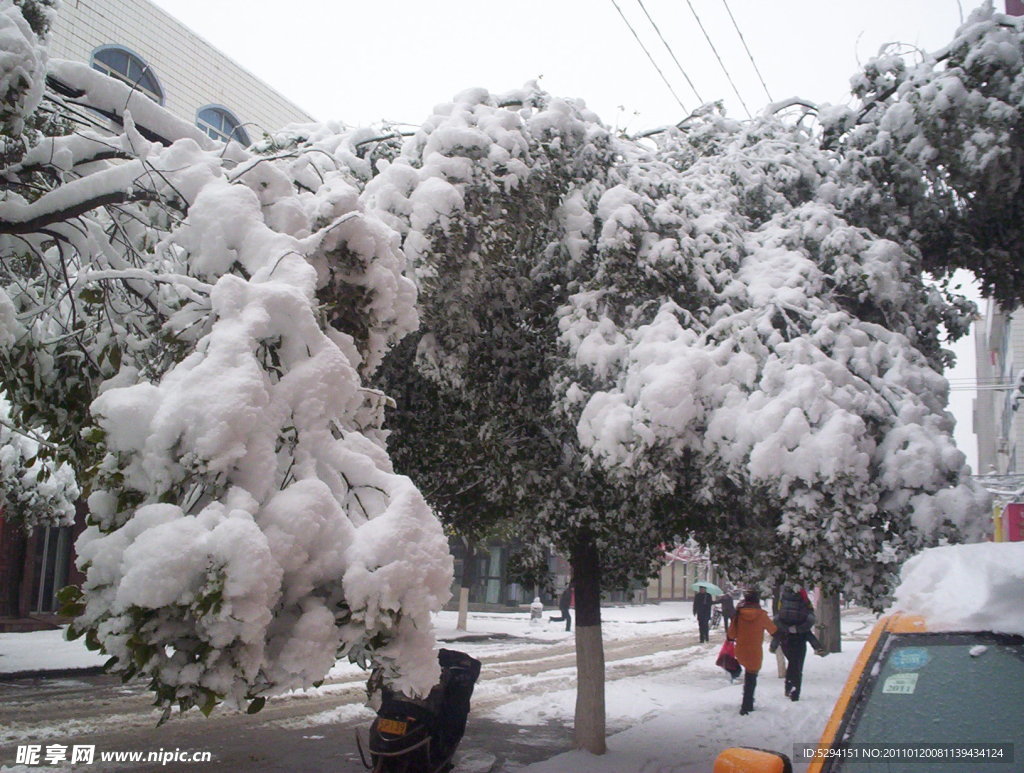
(53, 673)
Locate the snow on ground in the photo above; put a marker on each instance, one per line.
(45, 650)
(693, 713)
(677, 719)
(678, 710)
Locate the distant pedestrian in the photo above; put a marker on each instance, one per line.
(747, 629)
(564, 604)
(728, 609)
(702, 611)
(795, 619)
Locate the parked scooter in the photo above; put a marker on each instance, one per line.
(420, 735)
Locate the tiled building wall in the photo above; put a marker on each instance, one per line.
(191, 72)
(998, 416)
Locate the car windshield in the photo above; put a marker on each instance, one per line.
(942, 690)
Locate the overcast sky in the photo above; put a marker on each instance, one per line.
(361, 62)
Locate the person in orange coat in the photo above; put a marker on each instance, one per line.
(747, 630)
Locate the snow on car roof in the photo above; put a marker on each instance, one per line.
(977, 587)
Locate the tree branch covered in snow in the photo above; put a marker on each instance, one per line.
(33, 490)
(933, 159)
(191, 325)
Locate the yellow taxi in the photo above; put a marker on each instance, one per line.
(916, 700)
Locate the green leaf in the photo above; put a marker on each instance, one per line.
(209, 703)
(256, 706)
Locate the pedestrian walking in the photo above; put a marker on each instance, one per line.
(795, 619)
(728, 608)
(747, 630)
(702, 611)
(564, 604)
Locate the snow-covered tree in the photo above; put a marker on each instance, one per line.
(720, 331)
(678, 337)
(739, 333)
(480, 195)
(193, 324)
(933, 152)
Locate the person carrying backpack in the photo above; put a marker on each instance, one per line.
(795, 619)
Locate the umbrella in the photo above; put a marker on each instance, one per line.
(713, 589)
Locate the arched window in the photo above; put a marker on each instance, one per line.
(122, 64)
(221, 124)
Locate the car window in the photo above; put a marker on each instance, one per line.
(940, 689)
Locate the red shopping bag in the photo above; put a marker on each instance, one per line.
(727, 657)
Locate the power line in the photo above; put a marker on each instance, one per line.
(720, 62)
(671, 52)
(651, 58)
(747, 49)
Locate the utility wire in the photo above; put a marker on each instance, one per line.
(670, 52)
(720, 62)
(651, 58)
(747, 49)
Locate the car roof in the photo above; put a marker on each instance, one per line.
(899, 622)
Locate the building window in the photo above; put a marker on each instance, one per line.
(122, 64)
(52, 559)
(221, 124)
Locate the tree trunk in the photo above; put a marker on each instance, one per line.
(590, 712)
(828, 622)
(468, 572)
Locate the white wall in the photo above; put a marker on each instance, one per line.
(192, 73)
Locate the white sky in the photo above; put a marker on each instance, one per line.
(362, 62)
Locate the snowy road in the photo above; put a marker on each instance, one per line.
(669, 707)
(314, 730)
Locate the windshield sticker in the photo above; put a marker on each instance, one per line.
(909, 658)
(900, 684)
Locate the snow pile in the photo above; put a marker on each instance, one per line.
(976, 587)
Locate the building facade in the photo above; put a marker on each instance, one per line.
(998, 413)
(136, 42)
(142, 44)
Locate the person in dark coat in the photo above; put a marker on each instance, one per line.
(702, 611)
(795, 619)
(564, 604)
(728, 609)
(747, 630)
